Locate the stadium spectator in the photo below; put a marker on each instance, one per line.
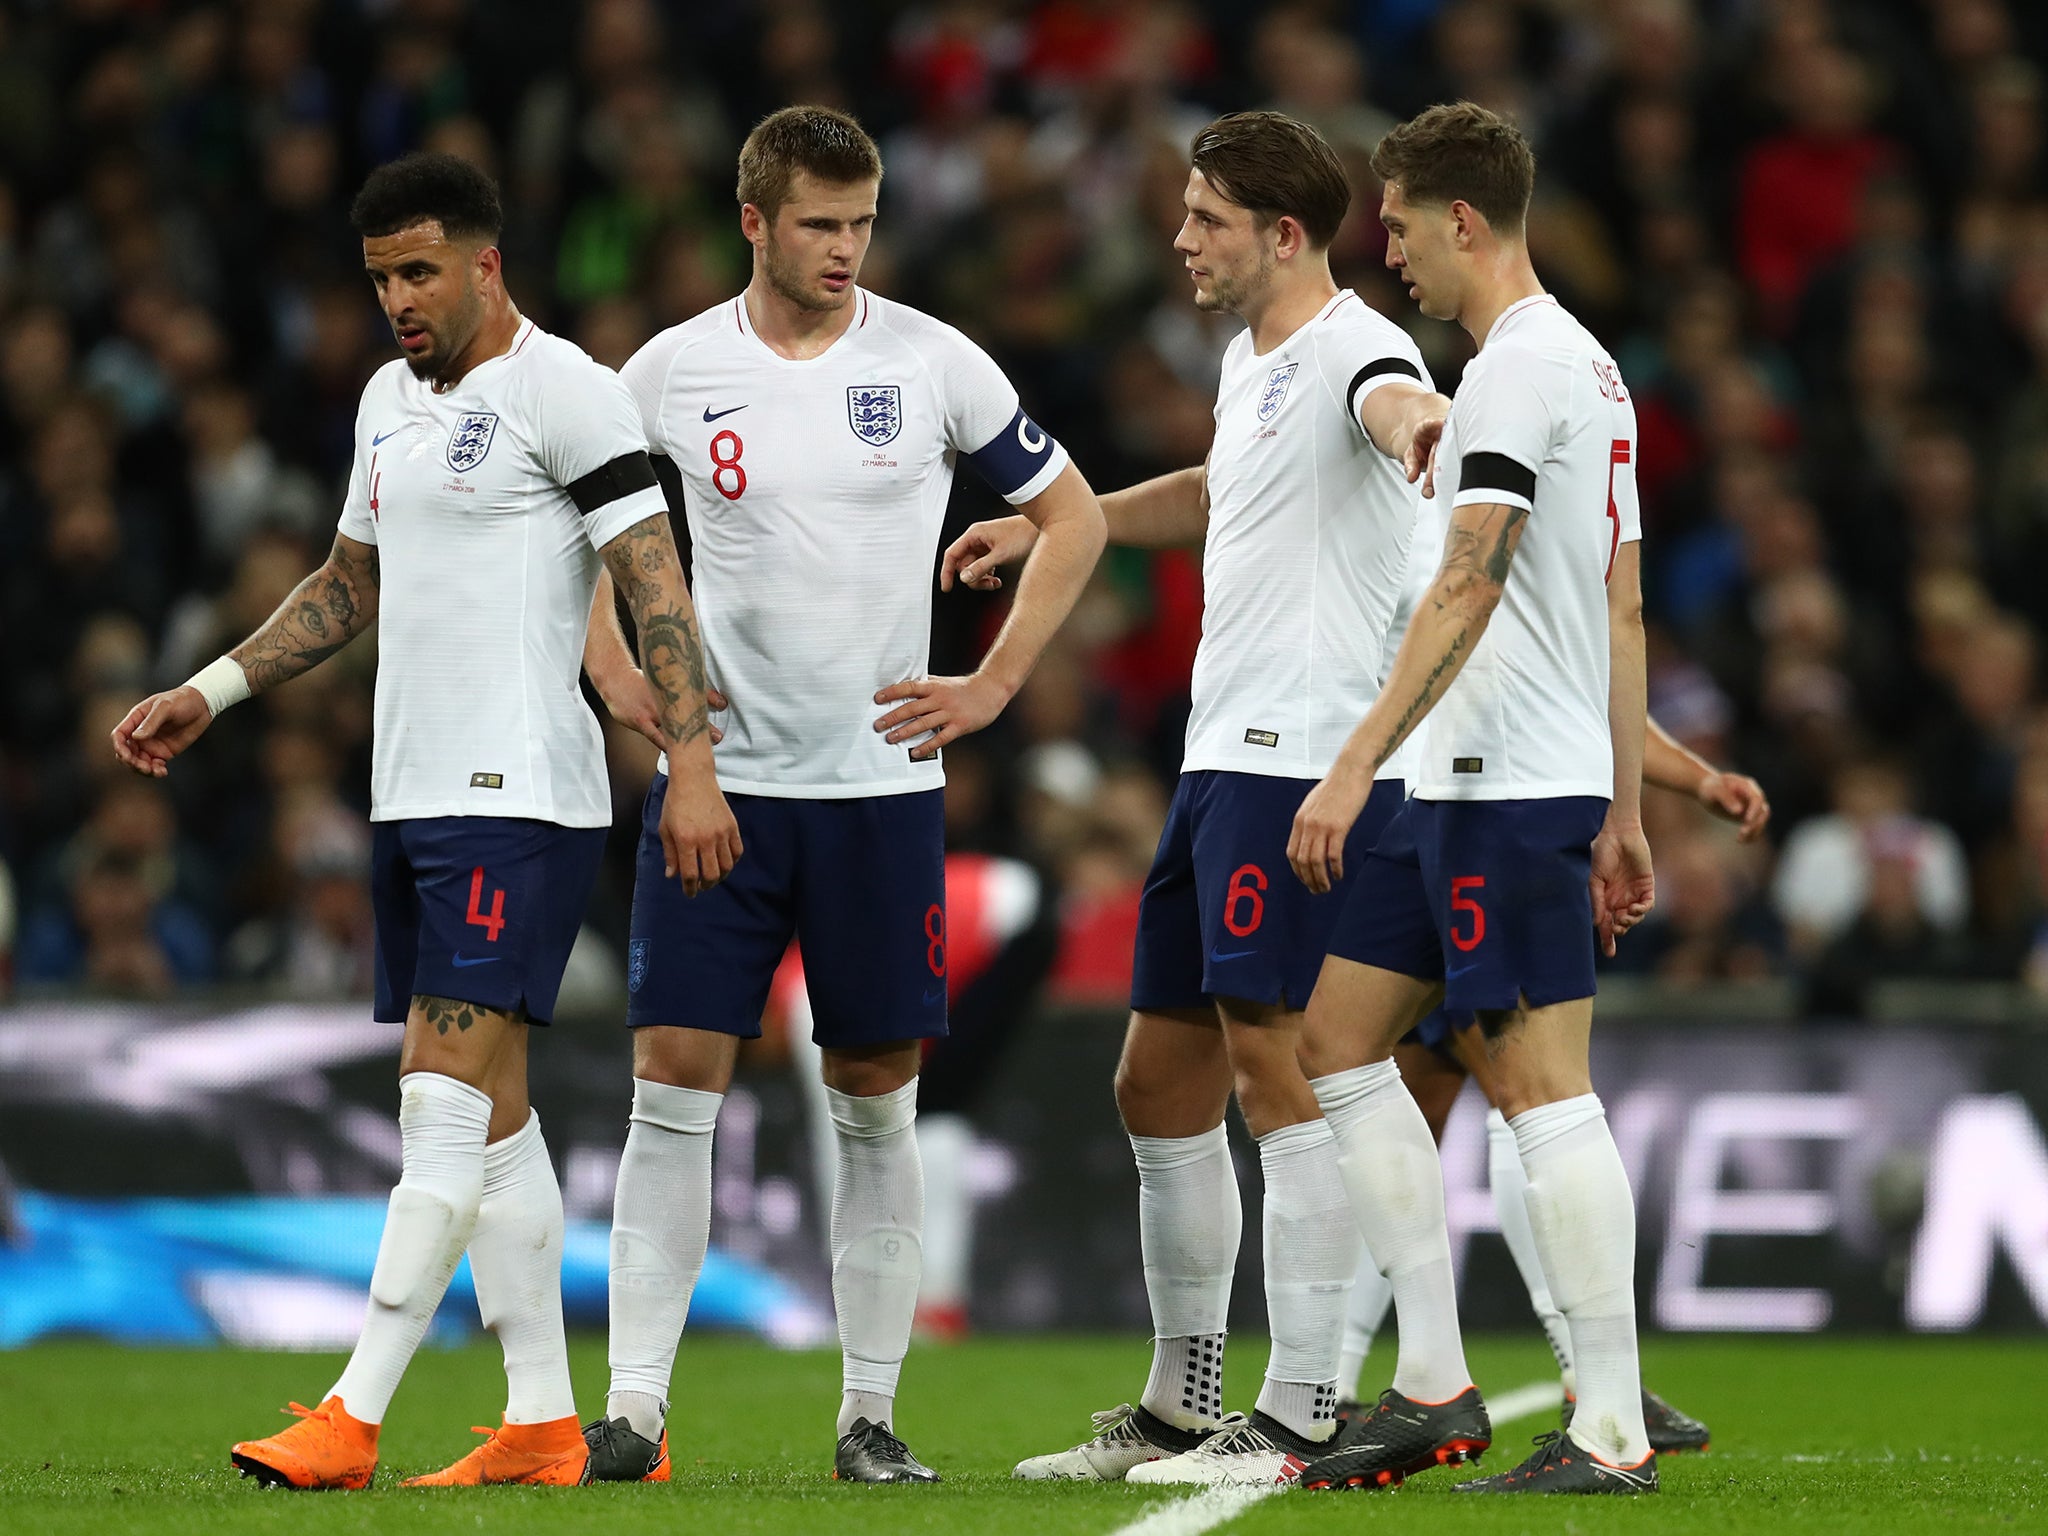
(1815, 237)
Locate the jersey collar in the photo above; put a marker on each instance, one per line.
(1516, 308)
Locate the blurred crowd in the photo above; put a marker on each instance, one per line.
(1815, 236)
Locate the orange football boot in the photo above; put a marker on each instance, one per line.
(326, 1449)
(552, 1454)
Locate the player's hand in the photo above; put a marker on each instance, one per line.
(974, 556)
(629, 698)
(1738, 798)
(1420, 459)
(159, 728)
(700, 840)
(1316, 846)
(1624, 886)
(941, 709)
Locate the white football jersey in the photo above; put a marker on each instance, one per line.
(1309, 527)
(815, 491)
(1542, 422)
(488, 505)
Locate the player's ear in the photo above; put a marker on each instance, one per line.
(490, 264)
(1290, 238)
(753, 223)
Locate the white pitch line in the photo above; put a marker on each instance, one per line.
(1212, 1507)
(1199, 1512)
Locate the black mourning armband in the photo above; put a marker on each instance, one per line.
(1497, 472)
(607, 483)
(1377, 370)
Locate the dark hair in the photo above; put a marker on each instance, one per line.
(1462, 153)
(830, 145)
(418, 187)
(1273, 165)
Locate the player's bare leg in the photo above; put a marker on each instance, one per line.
(1310, 1256)
(1432, 1414)
(1173, 1085)
(1582, 1215)
(661, 1228)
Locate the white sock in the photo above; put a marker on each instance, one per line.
(661, 1225)
(515, 1255)
(877, 1246)
(1371, 1295)
(442, 1124)
(944, 1144)
(1189, 1225)
(1396, 1185)
(1309, 1246)
(1584, 1220)
(1510, 1188)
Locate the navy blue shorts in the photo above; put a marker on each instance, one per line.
(860, 883)
(1488, 896)
(1435, 1032)
(481, 909)
(1223, 914)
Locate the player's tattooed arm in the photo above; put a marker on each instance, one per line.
(1479, 550)
(608, 662)
(649, 574)
(326, 611)
(700, 839)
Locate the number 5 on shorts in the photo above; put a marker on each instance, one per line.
(1460, 902)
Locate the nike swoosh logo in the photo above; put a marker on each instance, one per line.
(378, 441)
(711, 415)
(465, 961)
(935, 995)
(1235, 954)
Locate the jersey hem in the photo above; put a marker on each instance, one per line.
(1549, 789)
(831, 791)
(437, 810)
(1267, 769)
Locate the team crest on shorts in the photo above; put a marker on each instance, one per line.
(1276, 390)
(636, 964)
(471, 440)
(875, 412)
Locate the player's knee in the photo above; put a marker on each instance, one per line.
(684, 1058)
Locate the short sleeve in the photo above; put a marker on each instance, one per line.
(646, 379)
(359, 507)
(1359, 359)
(984, 421)
(590, 440)
(1503, 424)
(1628, 505)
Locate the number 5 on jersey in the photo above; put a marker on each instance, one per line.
(726, 449)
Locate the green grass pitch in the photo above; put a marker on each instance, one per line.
(1821, 1435)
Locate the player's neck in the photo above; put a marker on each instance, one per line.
(493, 338)
(1290, 301)
(792, 330)
(1505, 282)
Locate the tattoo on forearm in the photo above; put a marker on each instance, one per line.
(1489, 549)
(1419, 705)
(442, 1012)
(326, 611)
(644, 566)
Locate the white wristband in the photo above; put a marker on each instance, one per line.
(221, 682)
